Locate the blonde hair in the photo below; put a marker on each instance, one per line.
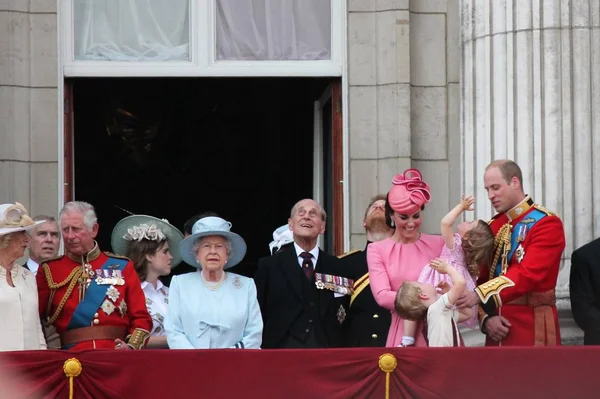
(5, 240)
(408, 304)
(478, 245)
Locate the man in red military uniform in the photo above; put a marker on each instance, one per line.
(93, 299)
(516, 295)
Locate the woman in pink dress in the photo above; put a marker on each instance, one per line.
(402, 256)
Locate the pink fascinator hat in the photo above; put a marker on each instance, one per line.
(409, 192)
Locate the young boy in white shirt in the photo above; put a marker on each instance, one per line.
(418, 301)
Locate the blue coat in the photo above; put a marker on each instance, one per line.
(200, 318)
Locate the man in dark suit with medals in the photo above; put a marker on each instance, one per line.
(299, 290)
(367, 323)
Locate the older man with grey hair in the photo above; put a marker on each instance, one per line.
(310, 314)
(44, 242)
(94, 299)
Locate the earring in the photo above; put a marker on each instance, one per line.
(392, 223)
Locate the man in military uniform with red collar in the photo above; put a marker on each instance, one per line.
(367, 323)
(93, 299)
(516, 295)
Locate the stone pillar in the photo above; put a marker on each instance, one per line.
(403, 74)
(530, 86)
(28, 105)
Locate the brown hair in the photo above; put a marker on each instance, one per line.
(478, 245)
(137, 251)
(408, 304)
(508, 169)
(389, 212)
(378, 197)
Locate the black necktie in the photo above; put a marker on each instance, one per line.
(307, 265)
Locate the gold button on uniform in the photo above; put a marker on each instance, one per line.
(95, 315)
(375, 316)
(96, 321)
(374, 336)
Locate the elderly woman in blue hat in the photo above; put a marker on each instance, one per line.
(213, 308)
(152, 244)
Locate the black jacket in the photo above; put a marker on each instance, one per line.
(585, 290)
(288, 301)
(367, 323)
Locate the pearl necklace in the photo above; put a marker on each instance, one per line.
(213, 286)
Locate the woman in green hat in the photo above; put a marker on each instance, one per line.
(152, 245)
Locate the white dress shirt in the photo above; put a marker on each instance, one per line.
(157, 302)
(33, 266)
(314, 252)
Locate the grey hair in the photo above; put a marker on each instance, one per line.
(83, 208)
(5, 239)
(196, 246)
(39, 218)
(321, 209)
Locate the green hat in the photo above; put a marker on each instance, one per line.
(139, 227)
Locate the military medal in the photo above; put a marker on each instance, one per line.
(123, 308)
(113, 293)
(107, 307)
(341, 314)
(519, 253)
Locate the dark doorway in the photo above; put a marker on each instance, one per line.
(171, 148)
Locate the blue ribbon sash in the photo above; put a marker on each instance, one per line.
(518, 235)
(83, 315)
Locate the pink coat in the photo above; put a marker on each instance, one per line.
(390, 264)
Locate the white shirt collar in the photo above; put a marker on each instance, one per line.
(159, 285)
(33, 266)
(314, 252)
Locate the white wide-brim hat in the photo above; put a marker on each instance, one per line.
(138, 227)
(213, 226)
(14, 218)
(281, 236)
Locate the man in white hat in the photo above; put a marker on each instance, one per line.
(93, 299)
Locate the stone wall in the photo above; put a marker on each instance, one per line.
(404, 101)
(28, 104)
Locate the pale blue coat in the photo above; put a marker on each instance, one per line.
(199, 318)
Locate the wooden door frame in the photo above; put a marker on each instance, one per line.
(68, 137)
(337, 157)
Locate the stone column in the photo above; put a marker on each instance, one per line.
(28, 105)
(403, 74)
(530, 84)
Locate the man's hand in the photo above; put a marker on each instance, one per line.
(467, 300)
(121, 345)
(497, 327)
(439, 265)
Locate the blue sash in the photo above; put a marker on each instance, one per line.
(94, 296)
(518, 234)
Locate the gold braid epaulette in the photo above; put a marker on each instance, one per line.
(546, 211)
(71, 279)
(502, 245)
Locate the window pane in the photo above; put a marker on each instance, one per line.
(273, 29)
(131, 30)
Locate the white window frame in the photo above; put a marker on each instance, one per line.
(203, 52)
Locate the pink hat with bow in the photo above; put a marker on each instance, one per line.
(409, 192)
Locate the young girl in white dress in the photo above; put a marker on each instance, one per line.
(466, 250)
(152, 245)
